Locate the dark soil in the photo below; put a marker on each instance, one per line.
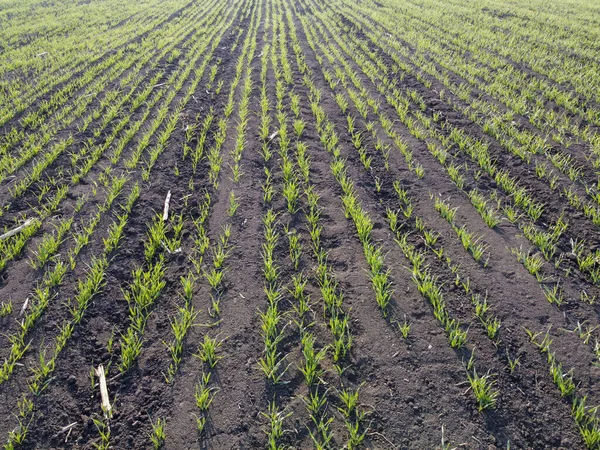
(414, 391)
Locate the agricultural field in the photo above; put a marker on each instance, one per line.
(276, 224)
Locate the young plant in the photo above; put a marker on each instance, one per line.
(158, 435)
(483, 388)
(208, 351)
(275, 429)
(404, 328)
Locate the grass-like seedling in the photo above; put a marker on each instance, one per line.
(299, 126)
(513, 363)
(158, 435)
(104, 432)
(233, 204)
(404, 328)
(275, 428)
(554, 294)
(532, 262)
(204, 394)
(6, 308)
(486, 212)
(491, 323)
(179, 326)
(143, 292)
(312, 360)
(208, 351)
(484, 390)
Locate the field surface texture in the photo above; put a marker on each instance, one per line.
(308, 224)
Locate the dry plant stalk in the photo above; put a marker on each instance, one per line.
(166, 209)
(106, 407)
(16, 230)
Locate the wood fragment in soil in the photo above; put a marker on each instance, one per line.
(17, 230)
(166, 209)
(106, 407)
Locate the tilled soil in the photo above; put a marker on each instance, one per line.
(414, 392)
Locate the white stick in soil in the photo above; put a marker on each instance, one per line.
(106, 407)
(17, 230)
(166, 209)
